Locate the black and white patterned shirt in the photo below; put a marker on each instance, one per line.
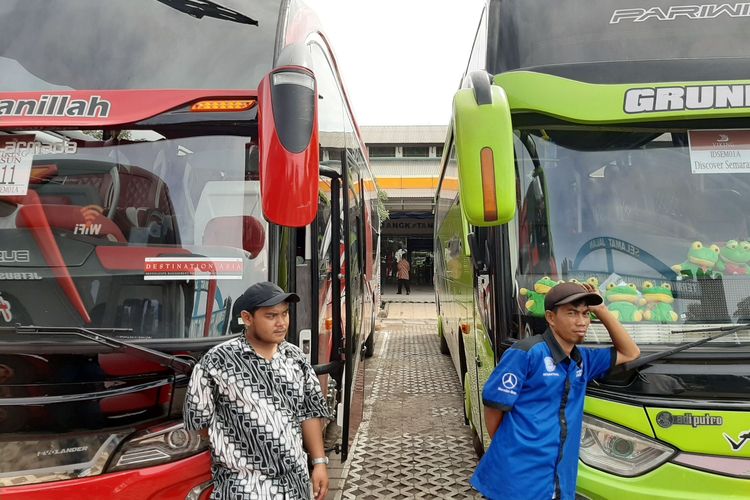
(253, 409)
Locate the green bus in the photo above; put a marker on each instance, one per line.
(609, 142)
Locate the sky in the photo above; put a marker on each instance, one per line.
(401, 60)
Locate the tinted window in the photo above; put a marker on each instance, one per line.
(416, 151)
(134, 44)
(330, 108)
(382, 151)
(526, 33)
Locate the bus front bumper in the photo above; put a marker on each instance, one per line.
(172, 481)
(669, 481)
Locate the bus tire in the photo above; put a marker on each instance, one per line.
(476, 442)
(444, 349)
(370, 345)
(467, 404)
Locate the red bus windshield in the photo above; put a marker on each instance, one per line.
(133, 44)
(148, 233)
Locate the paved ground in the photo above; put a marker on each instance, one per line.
(412, 442)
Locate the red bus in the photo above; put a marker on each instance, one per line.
(156, 158)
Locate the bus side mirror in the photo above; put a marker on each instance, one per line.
(483, 135)
(288, 146)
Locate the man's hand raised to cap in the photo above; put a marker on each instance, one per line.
(601, 308)
(627, 349)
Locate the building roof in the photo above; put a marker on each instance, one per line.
(404, 134)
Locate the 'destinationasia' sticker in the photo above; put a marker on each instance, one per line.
(719, 151)
(192, 268)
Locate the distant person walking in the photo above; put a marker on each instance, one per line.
(534, 399)
(258, 400)
(400, 253)
(397, 255)
(403, 273)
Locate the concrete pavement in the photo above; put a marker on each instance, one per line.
(412, 442)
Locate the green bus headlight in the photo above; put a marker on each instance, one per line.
(620, 451)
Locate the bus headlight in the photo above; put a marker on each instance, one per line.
(614, 449)
(158, 445)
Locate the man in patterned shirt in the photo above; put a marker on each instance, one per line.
(259, 399)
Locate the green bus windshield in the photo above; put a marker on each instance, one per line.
(654, 209)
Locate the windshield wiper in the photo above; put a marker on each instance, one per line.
(164, 359)
(200, 8)
(723, 332)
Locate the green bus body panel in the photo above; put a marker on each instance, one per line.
(693, 432)
(589, 103)
(465, 237)
(455, 285)
(484, 369)
(477, 127)
(668, 482)
(630, 416)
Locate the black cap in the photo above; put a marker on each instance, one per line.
(263, 294)
(565, 293)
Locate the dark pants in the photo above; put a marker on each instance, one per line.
(404, 283)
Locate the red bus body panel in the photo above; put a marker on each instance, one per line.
(163, 482)
(100, 108)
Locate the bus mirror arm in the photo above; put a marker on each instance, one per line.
(479, 263)
(331, 368)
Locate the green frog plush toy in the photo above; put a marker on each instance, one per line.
(623, 300)
(535, 302)
(701, 261)
(593, 281)
(659, 303)
(734, 257)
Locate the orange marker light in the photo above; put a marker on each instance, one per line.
(465, 328)
(487, 162)
(221, 106)
(329, 325)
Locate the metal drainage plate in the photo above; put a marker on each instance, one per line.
(413, 443)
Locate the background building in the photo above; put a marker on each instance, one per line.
(406, 162)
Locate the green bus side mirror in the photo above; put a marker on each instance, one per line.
(484, 151)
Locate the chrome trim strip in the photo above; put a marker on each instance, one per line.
(726, 466)
(69, 398)
(195, 493)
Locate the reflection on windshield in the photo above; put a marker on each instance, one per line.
(624, 211)
(134, 44)
(153, 234)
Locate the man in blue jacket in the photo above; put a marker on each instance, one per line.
(534, 399)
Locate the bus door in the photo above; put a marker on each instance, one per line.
(331, 332)
(494, 299)
(478, 344)
(354, 291)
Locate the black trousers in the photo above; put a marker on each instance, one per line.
(404, 283)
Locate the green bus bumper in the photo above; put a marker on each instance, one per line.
(669, 481)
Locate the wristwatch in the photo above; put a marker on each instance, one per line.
(318, 461)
